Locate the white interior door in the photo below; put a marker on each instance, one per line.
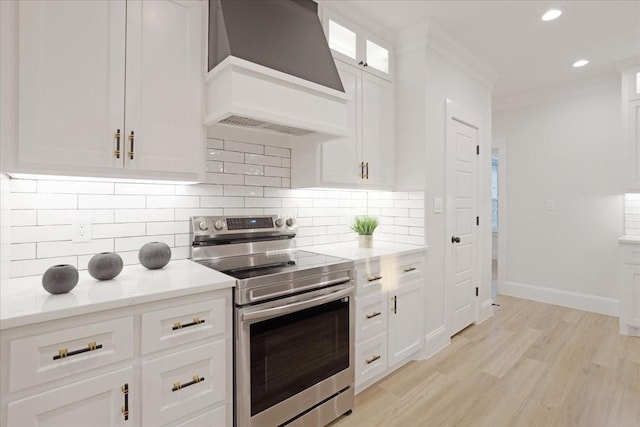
(462, 197)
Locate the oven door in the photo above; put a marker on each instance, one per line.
(293, 354)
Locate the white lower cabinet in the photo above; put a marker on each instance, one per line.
(629, 289)
(389, 315)
(156, 364)
(96, 402)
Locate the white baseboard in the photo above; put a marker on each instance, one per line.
(435, 341)
(485, 310)
(587, 302)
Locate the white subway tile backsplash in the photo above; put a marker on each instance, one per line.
(221, 202)
(110, 202)
(157, 202)
(22, 251)
(23, 217)
(143, 215)
(135, 243)
(258, 159)
(263, 181)
(275, 151)
(56, 249)
(243, 169)
(43, 201)
(244, 147)
(249, 179)
(102, 231)
(32, 267)
(67, 216)
(146, 189)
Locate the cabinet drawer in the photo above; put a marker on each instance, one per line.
(176, 326)
(371, 315)
(42, 358)
(371, 358)
(98, 401)
(410, 268)
(215, 418)
(179, 384)
(370, 277)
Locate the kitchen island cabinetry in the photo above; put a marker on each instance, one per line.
(629, 285)
(109, 88)
(161, 356)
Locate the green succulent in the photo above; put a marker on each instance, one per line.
(364, 225)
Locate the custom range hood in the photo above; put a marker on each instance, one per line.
(270, 69)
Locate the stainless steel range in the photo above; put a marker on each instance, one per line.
(294, 320)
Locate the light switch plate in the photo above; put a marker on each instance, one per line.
(437, 205)
(551, 205)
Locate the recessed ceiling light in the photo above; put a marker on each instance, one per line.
(551, 14)
(580, 63)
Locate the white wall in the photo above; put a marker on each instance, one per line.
(571, 151)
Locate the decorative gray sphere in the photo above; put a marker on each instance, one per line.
(60, 279)
(105, 265)
(154, 255)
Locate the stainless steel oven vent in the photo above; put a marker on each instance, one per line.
(258, 124)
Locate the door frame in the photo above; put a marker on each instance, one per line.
(459, 113)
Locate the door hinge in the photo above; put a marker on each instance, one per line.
(477, 149)
(476, 291)
(478, 221)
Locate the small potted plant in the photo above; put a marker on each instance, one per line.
(364, 226)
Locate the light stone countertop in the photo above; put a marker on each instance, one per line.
(350, 250)
(24, 301)
(629, 239)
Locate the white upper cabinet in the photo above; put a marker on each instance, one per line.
(631, 117)
(354, 45)
(109, 88)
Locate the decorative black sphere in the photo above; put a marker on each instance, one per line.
(154, 255)
(105, 265)
(60, 279)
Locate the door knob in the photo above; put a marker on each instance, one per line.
(455, 239)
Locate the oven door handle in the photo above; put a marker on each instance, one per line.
(296, 306)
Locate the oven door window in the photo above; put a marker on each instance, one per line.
(293, 352)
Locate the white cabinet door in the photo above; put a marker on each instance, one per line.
(71, 85)
(631, 296)
(96, 402)
(164, 85)
(405, 321)
(341, 157)
(633, 124)
(378, 140)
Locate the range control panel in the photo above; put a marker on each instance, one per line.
(244, 227)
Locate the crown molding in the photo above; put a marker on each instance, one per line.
(628, 63)
(603, 81)
(412, 38)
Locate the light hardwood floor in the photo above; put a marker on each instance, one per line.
(532, 364)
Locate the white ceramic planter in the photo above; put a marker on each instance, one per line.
(365, 241)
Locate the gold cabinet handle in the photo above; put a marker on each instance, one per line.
(64, 352)
(408, 269)
(195, 380)
(125, 409)
(373, 278)
(131, 140)
(372, 359)
(361, 170)
(116, 153)
(366, 166)
(372, 315)
(178, 325)
(395, 304)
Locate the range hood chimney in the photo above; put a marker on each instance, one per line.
(270, 68)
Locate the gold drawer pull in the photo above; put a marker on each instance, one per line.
(374, 314)
(64, 352)
(408, 269)
(125, 408)
(373, 359)
(196, 379)
(178, 325)
(116, 152)
(373, 278)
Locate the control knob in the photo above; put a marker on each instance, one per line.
(291, 222)
(279, 222)
(218, 225)
(203, 226)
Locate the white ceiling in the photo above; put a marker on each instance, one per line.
(508, 36)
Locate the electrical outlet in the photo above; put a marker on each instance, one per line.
(81, 230)
(551, 205)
